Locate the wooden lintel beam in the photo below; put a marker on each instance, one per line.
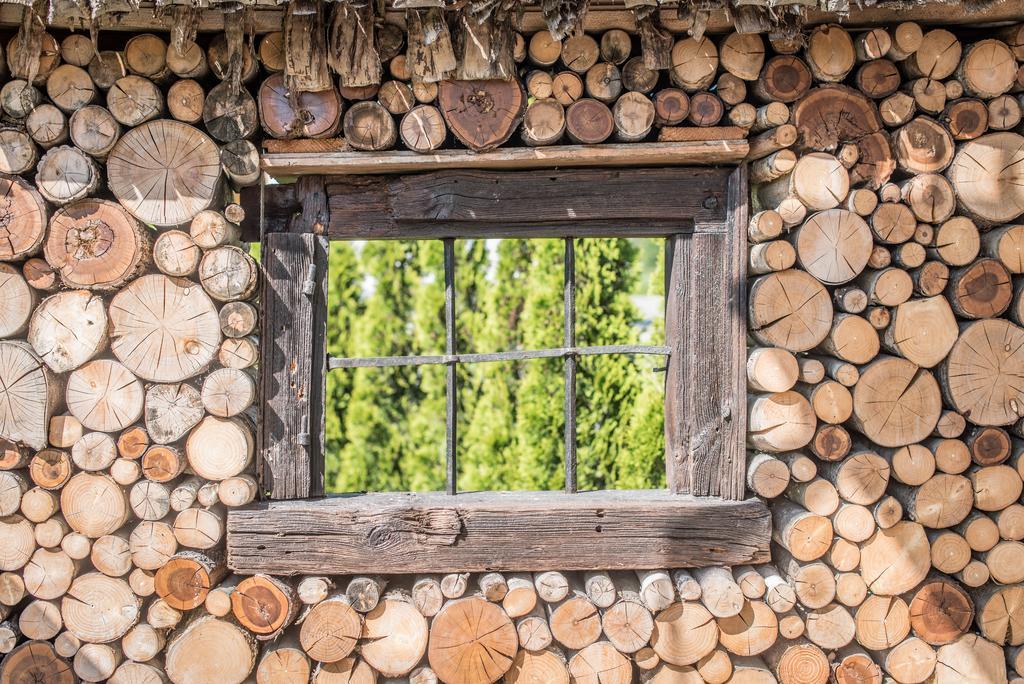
(562, 203)
(700, 152)
(506, 531)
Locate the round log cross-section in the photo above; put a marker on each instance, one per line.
(471, 640)
(95, 244)
(164, 172)
(164, 329)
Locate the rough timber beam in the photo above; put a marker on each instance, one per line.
(600, 17)
(508, 531)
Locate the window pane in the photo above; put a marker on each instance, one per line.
(510, 426)
(385, 426)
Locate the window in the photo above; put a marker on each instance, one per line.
(439, 284)
(702, 519)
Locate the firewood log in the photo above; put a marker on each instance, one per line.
(210, 649)
(423, 128)
(830, 53)
(230, 115)
(575, 621)
(970, 658)
(634, 116)
(684, 633)
(47, 125)
(789, 309)
(185, 101)
(18, 98)
(305, 115)
(797, 660)
(966, 368)
(783, 78)
(706, 109)
(36, 660)
(780, 422)
(817, 495)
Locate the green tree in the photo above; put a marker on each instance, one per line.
(381, 398)
(344, 307)
(608, 386)
(539, 420)
(486, 457)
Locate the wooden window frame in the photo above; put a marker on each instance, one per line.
(702, 519)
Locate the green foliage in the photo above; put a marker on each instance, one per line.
(385, 427)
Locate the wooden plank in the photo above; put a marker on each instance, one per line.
(508, 531)
(696, 133)
(705, 395)
(564, 203)
(293, 362)
(706, 152)
(304, 145)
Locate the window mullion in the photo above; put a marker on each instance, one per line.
(451, 382)
(569, 341)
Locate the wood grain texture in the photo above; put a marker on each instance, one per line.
(705, 422)
(705, 152)
(434, 532)
(293, 366)
(577, 203)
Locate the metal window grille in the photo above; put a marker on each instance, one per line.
(568, 352)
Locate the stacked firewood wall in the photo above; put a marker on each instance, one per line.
(885, 371)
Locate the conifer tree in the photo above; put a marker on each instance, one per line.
(422, 461)
(381, 398)
(607, 386)
(487, 458)
(539, 419)
(344, 306)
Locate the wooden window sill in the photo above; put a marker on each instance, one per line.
(504, 531)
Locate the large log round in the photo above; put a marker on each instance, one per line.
(471, 640)
(164, 329)
(988, 175)
(164, 172)
(896, 403)
(96, 245)
(481, 114)
(983, 376)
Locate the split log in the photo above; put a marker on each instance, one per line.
(187, 160)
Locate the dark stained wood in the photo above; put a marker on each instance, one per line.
(434, 532)
(705, 414)
(293, 363)
(570, 203)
